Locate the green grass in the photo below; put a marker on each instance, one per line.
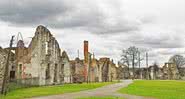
(51, 90)
(107, 97)
(157, 89)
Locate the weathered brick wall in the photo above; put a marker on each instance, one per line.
(77, 70)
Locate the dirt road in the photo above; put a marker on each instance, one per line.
(110, 90)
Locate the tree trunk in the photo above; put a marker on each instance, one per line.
(133, 67)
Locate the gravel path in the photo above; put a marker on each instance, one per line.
(110, 90)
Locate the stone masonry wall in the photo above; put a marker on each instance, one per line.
(42, 60)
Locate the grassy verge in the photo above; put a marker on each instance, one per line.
(107, 97)
(157, 89)
(51, 90)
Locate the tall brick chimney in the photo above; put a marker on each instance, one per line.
(86, 59)
(86, 51)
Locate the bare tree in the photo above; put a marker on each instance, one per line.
(178, 60)
(130, 56)
(125, 59)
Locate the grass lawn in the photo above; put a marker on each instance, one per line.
(157, 89)
(107, 97)
(51, 90)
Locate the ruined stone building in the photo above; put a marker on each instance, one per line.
(170, 71)
(41, 61)
(104, 69)
(113, 71)
(66, 67)
(3, 61)
(122, 71)
(108, 71)
(94, 70)
(3, 56)
(91, 69)
(84, 69)
(152, 73)
(77, 70)
(167, 72)
(155, 72)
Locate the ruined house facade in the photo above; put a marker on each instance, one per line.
(122, 71)
(113, 71)
(3, 56)
(94, 70)
(167, 72)
(155, 72)
(66, 68)
(77, 70)
(3, 61)
(91, 69)
(41, 61)
(107, 70)
(102, 70)
(170, 71)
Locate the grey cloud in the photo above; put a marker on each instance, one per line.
(172, 51)
(86, 15)
(160, 41)
(29, 12)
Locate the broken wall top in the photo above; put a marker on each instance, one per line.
(64, 55)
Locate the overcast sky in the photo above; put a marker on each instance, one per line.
(108, 25)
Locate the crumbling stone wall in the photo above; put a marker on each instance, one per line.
(170, 71)
(3, 61)
(105, 69)
(77, 66)
(42, 60)
(66, 68)
(2, 65)
(94, 70)
(113, 71)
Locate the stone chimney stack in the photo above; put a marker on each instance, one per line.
(86, 60)
(86, 51)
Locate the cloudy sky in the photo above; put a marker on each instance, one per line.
(108, 25)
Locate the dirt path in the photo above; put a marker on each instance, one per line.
(110, 90)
